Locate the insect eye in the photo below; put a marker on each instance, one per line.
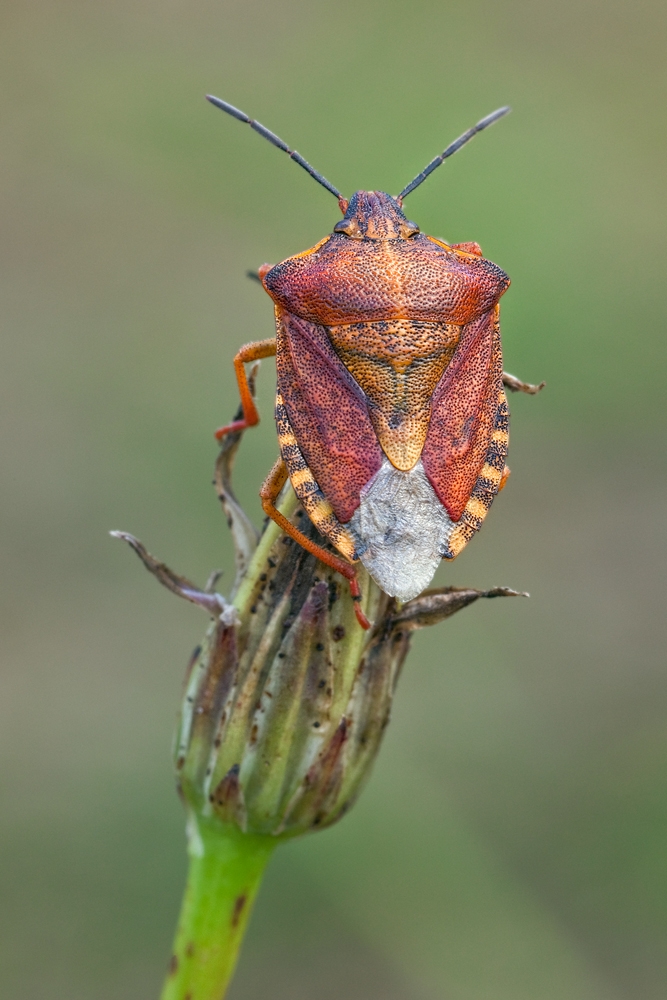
(409, 229)
(349, 227)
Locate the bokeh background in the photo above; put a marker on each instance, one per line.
(512, 843)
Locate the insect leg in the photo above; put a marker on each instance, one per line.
(249, 352)
(271, 487)
(503, 479)
(474, 248)
(515, 384)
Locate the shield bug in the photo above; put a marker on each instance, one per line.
(390, 408)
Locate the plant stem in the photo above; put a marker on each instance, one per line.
(226, 868)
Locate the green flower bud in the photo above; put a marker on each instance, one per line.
(285, 706)
(287, 698)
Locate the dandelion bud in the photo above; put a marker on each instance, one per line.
(285, 705)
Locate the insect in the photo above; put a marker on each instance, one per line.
(390, 408)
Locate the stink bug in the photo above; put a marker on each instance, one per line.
(391, 411)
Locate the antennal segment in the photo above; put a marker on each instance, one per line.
(452, 148)
(277, 141)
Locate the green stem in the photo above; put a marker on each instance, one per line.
(226, 868)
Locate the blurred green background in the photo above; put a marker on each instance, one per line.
(512, 843)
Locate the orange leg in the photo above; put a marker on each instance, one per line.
(271, 487)
(503, 479)
(249, 352)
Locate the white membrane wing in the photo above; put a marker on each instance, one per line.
(401, 530)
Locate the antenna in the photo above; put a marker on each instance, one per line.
(452, 148)
(297, 157)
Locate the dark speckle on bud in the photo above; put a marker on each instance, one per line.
(333, 594)
(238, 910)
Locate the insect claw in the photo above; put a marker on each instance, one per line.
(355, 593)
(236, 425)
(361, 618)
(515, 384)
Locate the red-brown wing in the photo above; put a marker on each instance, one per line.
(327, 411)
(463, 408)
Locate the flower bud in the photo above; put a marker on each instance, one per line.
(285, 708)
(287, 698)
